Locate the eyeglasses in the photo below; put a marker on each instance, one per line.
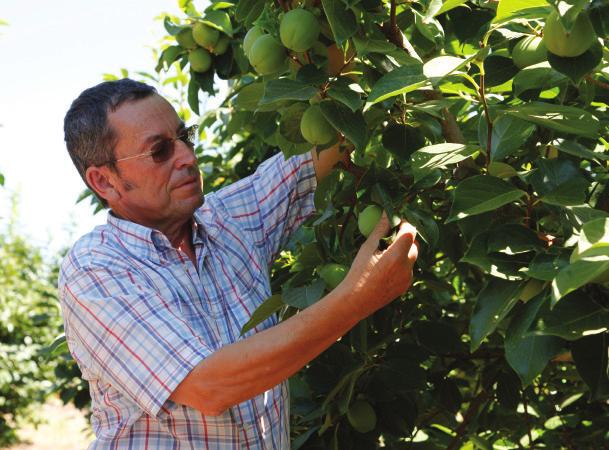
(164, 149)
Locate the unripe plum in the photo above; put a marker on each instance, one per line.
(568, 45)
(368, 218)
(200, 60)
(205, 35)
(315, 128)
(299, 30)
(267, 55)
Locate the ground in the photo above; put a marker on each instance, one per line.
(63, 427)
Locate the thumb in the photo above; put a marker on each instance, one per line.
(380, 231)
(405, 239)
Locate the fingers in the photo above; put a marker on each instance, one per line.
(405, 244)
(379, 232)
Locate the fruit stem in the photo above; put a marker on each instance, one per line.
(489, 122)
(597, 82)
(283, 5)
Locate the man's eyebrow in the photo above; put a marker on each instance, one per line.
(157, 137)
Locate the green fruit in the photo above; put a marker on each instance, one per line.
(199, 59)
(267, 55)
(361, 416)
(250, 37)
(529, 51)
(368, 218)
(315, 128)
(333, 274)
(221, 46)
(299, 30)
(185, 39)
(531, 289)
(572, 44)
(205, 35)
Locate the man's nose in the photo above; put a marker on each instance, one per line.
(184, 154)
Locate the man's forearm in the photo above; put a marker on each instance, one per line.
(249, 367)
(242, 370)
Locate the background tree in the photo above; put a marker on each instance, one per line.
(484, 124)
(29, 320)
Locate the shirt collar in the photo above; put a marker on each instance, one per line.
(148, 240)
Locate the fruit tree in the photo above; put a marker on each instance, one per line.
(482, 122)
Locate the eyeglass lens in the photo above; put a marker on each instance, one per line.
(165, 148)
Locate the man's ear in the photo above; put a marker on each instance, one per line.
(102, 181)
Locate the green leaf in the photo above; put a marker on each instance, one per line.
(500, 265)
(590, 356)
(578, 150)
(438, 337)
(576, 68)
(509, 133)
(58, 347)
(501, 170)
(171, 27)
(493, 304)
(248, 11)
(448, 5)
(344, 94)
(193, 95)
(266, 309)
(342, 20)
(537, 78)
(205, 81)
(290, 148)
(545, 266)
(402, 80)
(573, 318)
(441, 66)
(349, 123)
(289, 126)
(429, 27)
(578, 274)
(439, 156)
(249, 96)
(570, 193)
(559, 182)
(425, 224)
(498, 70)
(565, 119)
(363, 46)
(593, 240)
(168, 57)
(286, 89)
(581, 214)
(528, 355)
(513, 238)
(219, 20)
(512, 9)
(481, 193)
(304, 296)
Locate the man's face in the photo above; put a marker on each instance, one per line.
(154, 194)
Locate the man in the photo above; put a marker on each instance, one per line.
(154, 300)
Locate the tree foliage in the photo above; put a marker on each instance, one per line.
(502, 340)
(29, 320)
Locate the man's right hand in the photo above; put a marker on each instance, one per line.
(377, 277)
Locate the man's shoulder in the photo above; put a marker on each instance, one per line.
(97, 247)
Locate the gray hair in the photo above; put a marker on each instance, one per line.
(89, 139)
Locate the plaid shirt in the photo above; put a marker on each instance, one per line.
(139, 317)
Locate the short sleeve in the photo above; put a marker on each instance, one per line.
(125, 334)
(273, 202)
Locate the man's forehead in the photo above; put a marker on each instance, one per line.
(149, 115)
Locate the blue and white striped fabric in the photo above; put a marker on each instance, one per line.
(138, 316)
